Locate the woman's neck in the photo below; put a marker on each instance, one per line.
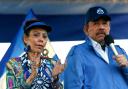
(34, 56)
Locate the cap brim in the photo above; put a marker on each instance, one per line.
(104, 17)
(44, 27)
(39, 25)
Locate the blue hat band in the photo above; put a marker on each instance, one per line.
(36, 24)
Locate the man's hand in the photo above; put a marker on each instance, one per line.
(121, 59)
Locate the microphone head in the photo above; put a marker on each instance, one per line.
(108, 40)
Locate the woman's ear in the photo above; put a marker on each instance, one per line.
(25, 39)
(26, 43)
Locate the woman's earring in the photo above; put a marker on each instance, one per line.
(45, 52)
(27, 48)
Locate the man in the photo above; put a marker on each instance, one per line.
(92, 65)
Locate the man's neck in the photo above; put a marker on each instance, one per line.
(102, 43)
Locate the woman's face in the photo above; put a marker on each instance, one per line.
(37, 39)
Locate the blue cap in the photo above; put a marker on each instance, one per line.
(39, 25)
(94, 13)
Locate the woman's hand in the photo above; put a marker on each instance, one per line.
(33, 74)
(58, 68)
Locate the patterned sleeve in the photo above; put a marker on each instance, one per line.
(14, 75)
(10, 74)
(56, 83)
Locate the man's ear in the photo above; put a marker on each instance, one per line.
(86, 29)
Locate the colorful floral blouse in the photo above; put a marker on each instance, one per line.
(20, 69)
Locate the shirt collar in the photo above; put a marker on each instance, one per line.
(97, 47)
(95, 44)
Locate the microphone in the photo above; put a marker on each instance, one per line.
(110, 42)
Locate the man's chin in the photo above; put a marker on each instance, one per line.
(101, 37)
(100, 40)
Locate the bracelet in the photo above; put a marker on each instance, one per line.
(56, 78)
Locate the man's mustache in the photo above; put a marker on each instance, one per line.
(101, 32)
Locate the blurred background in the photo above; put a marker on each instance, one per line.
(65, 16)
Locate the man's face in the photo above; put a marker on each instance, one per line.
(97, 29)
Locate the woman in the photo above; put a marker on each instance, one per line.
(34, 70)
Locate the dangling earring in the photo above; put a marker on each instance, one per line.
(27, 48)
(45, 52)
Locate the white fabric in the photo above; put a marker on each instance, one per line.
(97, 47)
